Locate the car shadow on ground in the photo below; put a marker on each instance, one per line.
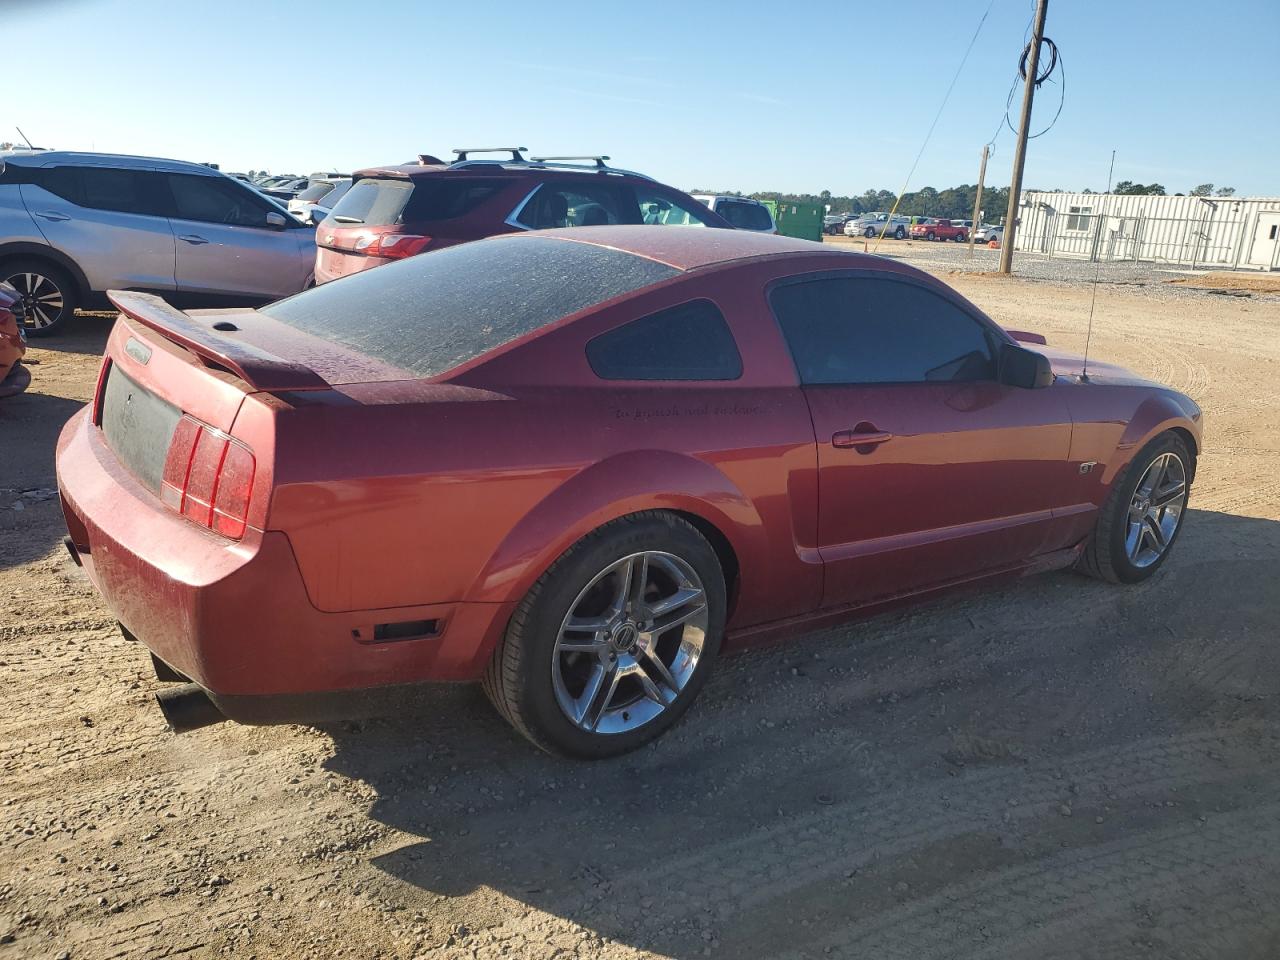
(30, 523)
(870, 781)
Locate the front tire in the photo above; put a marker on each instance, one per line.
(870, 232)
(1143, 515)
(49, 296)
(612, 644)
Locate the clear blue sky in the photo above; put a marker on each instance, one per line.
(745, 96)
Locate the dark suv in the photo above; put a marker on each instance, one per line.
(394, 212)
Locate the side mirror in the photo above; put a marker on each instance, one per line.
(316, 214)
(275, 220)
(1020, 367)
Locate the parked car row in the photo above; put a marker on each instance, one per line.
(74, 225)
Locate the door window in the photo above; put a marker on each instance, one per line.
(852, 330)
(574, 205)
(660, 207)
(688, 342)
(215, 200)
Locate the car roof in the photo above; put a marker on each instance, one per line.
(53, 158)
(518, 168)
(688, 248)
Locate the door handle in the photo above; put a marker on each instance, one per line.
(52, 215)
(859, 438)
(193, 238)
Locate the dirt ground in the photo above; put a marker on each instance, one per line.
(1056, 768)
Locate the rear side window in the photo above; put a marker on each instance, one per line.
(854, 330)
(560, 204)
(103, 188)
(429, 313)
(383, 202)
(662, 209)
(688, 342)
(745, 216)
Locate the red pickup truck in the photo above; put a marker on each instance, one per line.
(939, 230)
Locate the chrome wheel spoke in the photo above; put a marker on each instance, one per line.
(681, 598)
(652, 690)
(663, 673)
(594, 708)
(663, 624)
(1170, 494)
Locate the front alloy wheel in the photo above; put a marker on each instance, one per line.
(1143, 514)
(1155, 510)
(630, 643)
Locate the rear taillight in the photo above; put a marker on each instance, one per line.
(208, 478)
(393, 245)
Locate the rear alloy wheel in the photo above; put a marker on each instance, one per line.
(48, 295)
(612, 644)
(1143, 515)
(899, 233)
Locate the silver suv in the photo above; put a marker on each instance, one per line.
(73, 225)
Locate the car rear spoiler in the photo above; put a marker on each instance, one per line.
(255, 366)
(1022, 336)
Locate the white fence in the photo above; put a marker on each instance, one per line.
(1223, 233)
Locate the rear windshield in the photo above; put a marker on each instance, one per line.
(745, 216)
(315, 191)
(380, 203)
(429, 313)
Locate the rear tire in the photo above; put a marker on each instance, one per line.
(899, 233)
(50, 297)
(1143, 514)
(545, 691)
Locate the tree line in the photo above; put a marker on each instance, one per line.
(953, 203)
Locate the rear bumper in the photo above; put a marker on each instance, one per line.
(235, 617)
(332, 264)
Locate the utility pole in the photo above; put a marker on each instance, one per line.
(1020, 151)
(977, 201)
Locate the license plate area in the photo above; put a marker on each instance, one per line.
(138, 426)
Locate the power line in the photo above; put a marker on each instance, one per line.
(936, 118)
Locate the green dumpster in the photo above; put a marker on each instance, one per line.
(803, 220)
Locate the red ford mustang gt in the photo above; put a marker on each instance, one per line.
(576, 464)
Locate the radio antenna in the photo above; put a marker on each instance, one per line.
(1097, 269)
(23, 136)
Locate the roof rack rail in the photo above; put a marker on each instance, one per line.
(516, 152)
(600, 160)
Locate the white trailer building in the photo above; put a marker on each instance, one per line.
(1223, 233)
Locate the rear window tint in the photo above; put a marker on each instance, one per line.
(380, 203)
(745, 216)
(429, 313)
(315, 191)
(688, 342)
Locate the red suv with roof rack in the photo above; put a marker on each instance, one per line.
(397, 211)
